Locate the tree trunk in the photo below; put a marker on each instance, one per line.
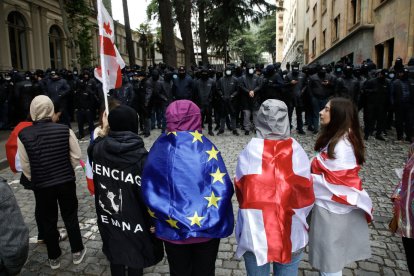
(202, 31)
(70, 38)
(129, 43)
(169, 52)
(183, 11)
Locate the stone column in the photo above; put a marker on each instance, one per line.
(5, 59)
(410, 40)
(37, 37)
(44, 37)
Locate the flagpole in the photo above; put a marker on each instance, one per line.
(103, 67)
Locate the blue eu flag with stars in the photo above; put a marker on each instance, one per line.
(187, 188)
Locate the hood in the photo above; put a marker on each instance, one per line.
(272, 121)
(41, 108)
(183, 115)
(122, 144)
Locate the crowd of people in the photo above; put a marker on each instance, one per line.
(229, 97)
(176, 198)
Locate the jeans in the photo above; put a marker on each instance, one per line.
(289, 269)
(339, 273)
(158, 117)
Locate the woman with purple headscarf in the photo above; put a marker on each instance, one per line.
(188, 193)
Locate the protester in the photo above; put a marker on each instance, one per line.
(403, 199)
(274, 191)
(189, 193)
(117, 161)
(48, 154)
(339, 232)
(14, 234)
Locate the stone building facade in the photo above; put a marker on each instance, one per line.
(32, 37)
(293, 31)
(354, 30)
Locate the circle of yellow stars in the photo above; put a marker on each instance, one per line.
(217, 176)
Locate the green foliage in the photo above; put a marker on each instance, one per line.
(250, 43)
(152, 10)
(84, 42)
(80, 27)
(266, 35)
(226, 18)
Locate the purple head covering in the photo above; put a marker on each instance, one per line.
(183, 115)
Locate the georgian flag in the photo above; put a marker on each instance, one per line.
(275, 194)
(111, 60)
(337, 185)
(11, 147)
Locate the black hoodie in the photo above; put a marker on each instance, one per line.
(123, 220)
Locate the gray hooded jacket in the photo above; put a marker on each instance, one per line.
(272, 121)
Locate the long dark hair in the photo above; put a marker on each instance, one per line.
(344, 121)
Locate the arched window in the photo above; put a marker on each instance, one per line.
(18, 41)
(55, 46)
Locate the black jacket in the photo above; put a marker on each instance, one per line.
(318, 89)
(249, 83)
(123, 219)
(272, 88)
(204, 91)
(58, 90)
(348, 87)
(183, 88)
(86, 94)
(14, 234)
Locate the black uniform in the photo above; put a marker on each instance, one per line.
(375, 99)
(204, 90)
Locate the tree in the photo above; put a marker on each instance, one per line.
(75, 15)
(183, 12)
(168, 49)
(266, 35)
(68, 33)
(129, 43)
(244, 43)
(202, 7)
(228, 17)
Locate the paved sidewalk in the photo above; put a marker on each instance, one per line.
(379, 180)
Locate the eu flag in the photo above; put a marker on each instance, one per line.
(187, 188)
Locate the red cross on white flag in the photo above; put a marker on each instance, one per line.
(111, 60)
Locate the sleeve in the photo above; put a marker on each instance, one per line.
(74, 149)
(14, 234)
(24, 160)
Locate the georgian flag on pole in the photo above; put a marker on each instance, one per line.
(275, 194)
(337, 185)
(109, 73)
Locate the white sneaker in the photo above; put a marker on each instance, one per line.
(78, 256)
(54, 263)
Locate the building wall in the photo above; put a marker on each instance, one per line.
(39, 17)
(380, 30)
(293, 31)
(279, 31)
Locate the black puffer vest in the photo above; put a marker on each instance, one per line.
(47, 146)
